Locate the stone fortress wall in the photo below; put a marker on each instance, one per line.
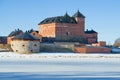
(23, 46)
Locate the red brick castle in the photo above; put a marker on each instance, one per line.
(67, 28)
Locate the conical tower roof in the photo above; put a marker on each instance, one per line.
(78, 14)
(66, 15)
(66, 18)
(25, 36)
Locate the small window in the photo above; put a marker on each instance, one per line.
(35, 44)
(23, 45)
(12, 44)
(16, 50)
(31, 50)
(33, 33)
(67, 33)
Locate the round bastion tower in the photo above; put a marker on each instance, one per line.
(25, 43)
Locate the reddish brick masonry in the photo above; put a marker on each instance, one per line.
(47, 30)
(62, 31)
(92, 49)
(37, 35)
(57, 28)
(101, 43)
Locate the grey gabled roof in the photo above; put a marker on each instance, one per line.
(14, 33)
(25, 36)
(78, 14)
(59, 19)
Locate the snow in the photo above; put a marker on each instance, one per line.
(58, 57)
(59, 63)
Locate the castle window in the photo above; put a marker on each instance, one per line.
(16, 50)
(67, 33)
(33, 33)
(35, 44)
(12, 44)
(23, 45)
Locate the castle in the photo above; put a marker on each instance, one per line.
(67, 28)
(62, 29)
(65, 31)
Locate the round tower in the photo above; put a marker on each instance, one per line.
(25, 43)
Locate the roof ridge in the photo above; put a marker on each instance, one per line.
(59, 19)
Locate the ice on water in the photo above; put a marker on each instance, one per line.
(57, 64)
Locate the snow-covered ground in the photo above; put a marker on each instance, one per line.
(11, 56)
(53, 63)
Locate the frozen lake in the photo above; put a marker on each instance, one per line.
(59, 66)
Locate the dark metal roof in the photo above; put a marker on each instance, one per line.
(14, 33)
(25, 36)
(78, 14)
(59, 19)
(30, 31)
(90, 31)
(3, 39)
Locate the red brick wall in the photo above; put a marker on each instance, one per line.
(101, 43)
(81, 25)
(37, 35)
(62, 31)
(47, 30)
(92, 50)
(66, 31)
(91, 38)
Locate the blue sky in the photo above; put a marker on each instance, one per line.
(101, 15)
